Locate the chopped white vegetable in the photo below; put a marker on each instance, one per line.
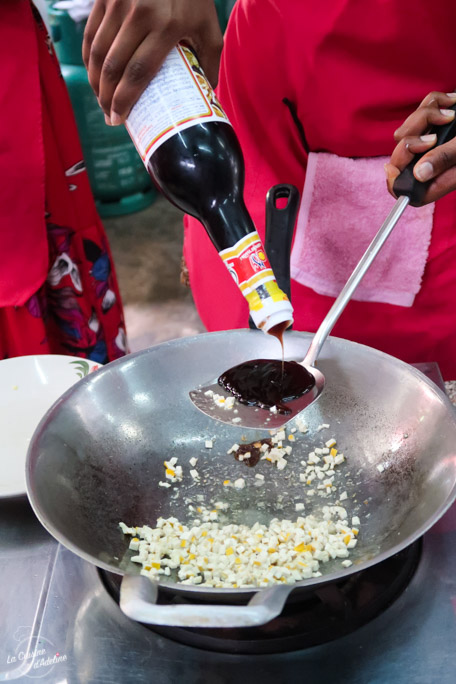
(301, 425)
(231, 555)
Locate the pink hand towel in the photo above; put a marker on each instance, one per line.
(344, 203)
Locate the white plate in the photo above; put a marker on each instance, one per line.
(29, 385)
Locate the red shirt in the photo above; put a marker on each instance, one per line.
(22, 168)
(354, 69)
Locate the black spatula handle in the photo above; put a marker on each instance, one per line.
(279, 233)
(406, 183)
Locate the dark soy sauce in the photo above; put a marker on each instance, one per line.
(277, 331)
(254, 449)
(267, 382)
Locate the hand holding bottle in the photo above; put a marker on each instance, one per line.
(194, 158)
(126, 42)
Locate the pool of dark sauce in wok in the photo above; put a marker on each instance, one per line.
(268, 382)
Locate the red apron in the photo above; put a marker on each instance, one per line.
(352, 71)
(58, 290)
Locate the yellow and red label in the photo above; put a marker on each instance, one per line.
(249, 266)
(247, 262)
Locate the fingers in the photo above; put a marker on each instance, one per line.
(442, 185)
(135, 78)
(433, 111)
(208, 44)
(93, 22)
(105, 35)
(435, 162)
(437, 166)
(209, 55)
(392, 172)
(126, 42)
(439, 187)
(123, 58)
(409, 146)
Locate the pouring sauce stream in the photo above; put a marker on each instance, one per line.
(268, 382)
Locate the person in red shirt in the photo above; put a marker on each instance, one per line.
(58, 289)
(316, 92)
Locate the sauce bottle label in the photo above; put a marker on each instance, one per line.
(249, 266)
(178, 97)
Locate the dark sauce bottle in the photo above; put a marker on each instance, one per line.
(194, 158)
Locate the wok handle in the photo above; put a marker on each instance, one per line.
(280, 224)
(138, 600)
(279, 231)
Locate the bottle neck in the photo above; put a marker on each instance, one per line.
(227, 222)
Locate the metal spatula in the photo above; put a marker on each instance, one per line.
(408, 191)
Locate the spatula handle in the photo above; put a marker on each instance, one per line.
(352, 283)
(280, 223)
(406, 184)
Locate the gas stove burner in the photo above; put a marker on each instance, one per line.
(324, 614)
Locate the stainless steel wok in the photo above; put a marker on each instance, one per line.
(97, 457)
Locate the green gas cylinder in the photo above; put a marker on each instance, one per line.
(119, 181)
(224, 8)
